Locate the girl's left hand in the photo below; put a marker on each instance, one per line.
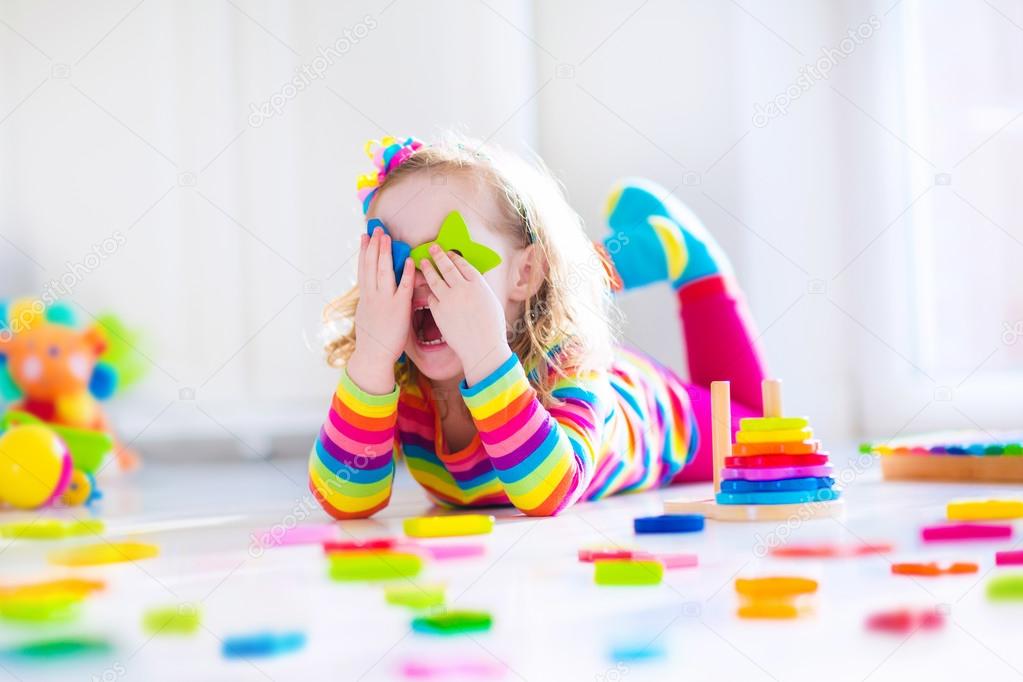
(467, 313)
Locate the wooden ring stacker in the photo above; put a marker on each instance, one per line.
(721, 432)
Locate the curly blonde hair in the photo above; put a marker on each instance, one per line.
(569, 324)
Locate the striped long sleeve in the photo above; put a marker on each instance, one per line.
(544, 458)
(628, 428)
(351, 466)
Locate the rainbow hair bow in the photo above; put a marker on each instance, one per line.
(386, 155)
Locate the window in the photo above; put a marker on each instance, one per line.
(962, 128)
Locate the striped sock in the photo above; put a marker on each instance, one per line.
(655, 240)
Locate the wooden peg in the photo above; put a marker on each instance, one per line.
(721, 427)
(771, 391)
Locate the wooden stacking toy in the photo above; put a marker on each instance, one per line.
(774, 471)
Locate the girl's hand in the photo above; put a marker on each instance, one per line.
(382, 317)
(467, 312)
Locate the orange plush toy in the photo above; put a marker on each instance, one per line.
(57, 371)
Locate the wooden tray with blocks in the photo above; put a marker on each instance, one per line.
(980, 456)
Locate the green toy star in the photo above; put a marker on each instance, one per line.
(454, 236)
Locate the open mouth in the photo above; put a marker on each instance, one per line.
(425, 327)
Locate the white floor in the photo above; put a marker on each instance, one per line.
(550, 621)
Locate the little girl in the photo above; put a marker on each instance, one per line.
(506, 387)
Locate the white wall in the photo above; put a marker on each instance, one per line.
(137, 119)
(236, 234)
(671, 96)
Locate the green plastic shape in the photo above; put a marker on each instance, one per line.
(415, 596)
(50, 529)
(66, 647)
(454, 236)
(355, 566)
(1006, 588)
(52, 608)
(627, 572)
(453, 622)
(773, 423)
(172, 620)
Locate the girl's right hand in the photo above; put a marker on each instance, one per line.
(382, 316)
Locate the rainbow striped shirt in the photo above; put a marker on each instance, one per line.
(629, 428)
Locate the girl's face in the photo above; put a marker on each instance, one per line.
(413, 209)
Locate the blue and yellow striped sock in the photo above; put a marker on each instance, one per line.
(656, 240)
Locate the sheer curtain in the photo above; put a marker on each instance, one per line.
(949, 300)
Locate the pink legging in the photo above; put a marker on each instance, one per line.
(721, 345)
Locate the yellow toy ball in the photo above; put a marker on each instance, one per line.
(35, 466)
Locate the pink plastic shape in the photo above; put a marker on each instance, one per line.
(441, 552)
(902, 621)
(966, 531)
(422, 670)
(776, 473)
(1009, 558)
(308, 534)
(675, 560)
(591, 555)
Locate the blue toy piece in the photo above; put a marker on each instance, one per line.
(399, 249)
(669, 523)
(638, 652)
(262, 644)
(453, 235)
(808, 483)
(780, 497)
